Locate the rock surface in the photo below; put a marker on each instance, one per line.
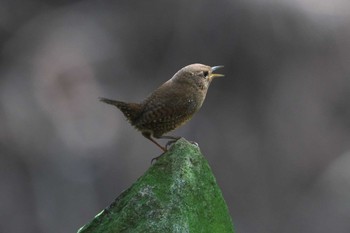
(178, 193)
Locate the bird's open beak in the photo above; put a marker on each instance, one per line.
(216, 75)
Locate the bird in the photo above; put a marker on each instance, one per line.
(171, 105)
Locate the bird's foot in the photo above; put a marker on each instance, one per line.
(169, 143)
(156, 158)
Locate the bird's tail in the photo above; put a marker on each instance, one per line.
(130, 110)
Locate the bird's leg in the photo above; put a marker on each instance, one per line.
(165, 149)
(173, 140)
(148, 136)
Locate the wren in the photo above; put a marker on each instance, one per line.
(170, 105)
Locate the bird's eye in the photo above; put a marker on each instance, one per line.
(205, 73)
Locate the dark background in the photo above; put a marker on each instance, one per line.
(275, 130)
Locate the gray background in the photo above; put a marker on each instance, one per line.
(275, 130)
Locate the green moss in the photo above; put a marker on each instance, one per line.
(178, 193)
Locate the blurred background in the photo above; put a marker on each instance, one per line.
(275, 129)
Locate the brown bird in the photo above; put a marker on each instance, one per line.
(170, 105)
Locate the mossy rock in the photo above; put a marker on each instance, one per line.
(178, 193)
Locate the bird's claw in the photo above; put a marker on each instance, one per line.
(156, 158)
(169, 143)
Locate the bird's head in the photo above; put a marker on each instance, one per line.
(197, 74)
